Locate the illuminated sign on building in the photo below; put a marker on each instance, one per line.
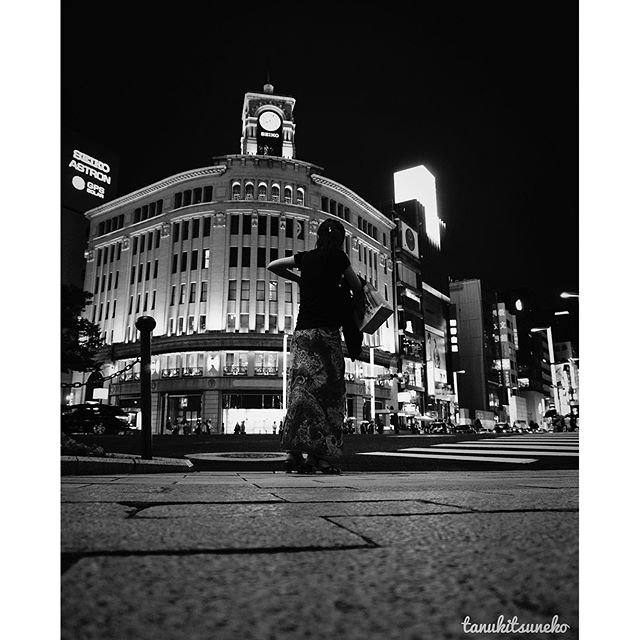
(88, 173)
(419, 184)
(435, 359)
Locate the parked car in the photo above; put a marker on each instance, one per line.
(94, 418)
(502, 427)
(438, 426)
(464, 428)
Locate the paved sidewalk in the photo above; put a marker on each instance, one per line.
(238, 556)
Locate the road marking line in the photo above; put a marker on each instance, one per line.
(498, 452)
(511, 445)
(448, 457)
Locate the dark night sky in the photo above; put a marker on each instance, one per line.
(485, 95)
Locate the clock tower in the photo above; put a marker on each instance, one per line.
(267, 124)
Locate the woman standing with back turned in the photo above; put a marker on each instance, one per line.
(316, 388)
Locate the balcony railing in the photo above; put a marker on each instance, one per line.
(266, 371)
(235, 371)
(192, 372)
(170, 373)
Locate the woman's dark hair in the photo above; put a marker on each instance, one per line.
(330, 235)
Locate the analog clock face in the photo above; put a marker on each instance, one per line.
(270, 120)
(410, 240)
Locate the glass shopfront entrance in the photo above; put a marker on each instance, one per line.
(183, 410)
(260, 412)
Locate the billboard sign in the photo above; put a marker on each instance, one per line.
(435, 359)
(89, 173)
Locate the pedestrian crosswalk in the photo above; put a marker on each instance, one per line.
(510, 449)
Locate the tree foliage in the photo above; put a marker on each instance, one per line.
(80, 339)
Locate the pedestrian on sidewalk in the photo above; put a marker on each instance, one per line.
(316, 393)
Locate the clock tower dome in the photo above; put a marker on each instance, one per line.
(267, 124)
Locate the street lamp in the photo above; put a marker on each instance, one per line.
(568, 294)
(455, 391)
(556, 397)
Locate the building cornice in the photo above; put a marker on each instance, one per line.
(355, 198)
(156, 187)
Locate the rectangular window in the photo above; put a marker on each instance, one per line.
(262, 225)
(173, 296)
(180, 326)
(172, 326)
(106, 310)
(109, 282)
(289, 228)
(262, 257)
(113, 314)
(155, 269)
(157, 239)
(119, 251)
(208, 193)
(206, 231)
(260, 322)
(134, 250)
(96, 288)
(153, 300)
(185, 228)
(111, 250)
(275, 226)
(260, 290)
(203, 323)
(235, 225)
(174, 263)
(142, 244)
(273, 324)
(138, 304)
(233, 256)
(130, 304)
(133, 274)
(244, 321)
(231, 322)
(205, 258)
(194, 260)
(146, 298)
(192, 292)
(273, 290)
(287, 323)
(115, 286)
(273, 254)
(140, 272)
(147, 271)
(246, 225)
(176, 230)
(246, 256)
(288, 291)
(195, 228)
(183, 293)
(197, 195)
(232, 290)
(244, 289)
(183, 261)
(204, 287)
(99, 258)
(190, 324)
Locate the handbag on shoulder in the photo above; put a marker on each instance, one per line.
(370, 309)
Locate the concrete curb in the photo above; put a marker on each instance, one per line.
(90, 465)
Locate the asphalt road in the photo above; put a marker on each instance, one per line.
(461, 452)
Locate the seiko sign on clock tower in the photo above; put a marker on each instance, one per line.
(267, 124)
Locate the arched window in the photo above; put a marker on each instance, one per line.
(262, 191)
(248, 191)
(300, 195)
(235, 191)
(288, 194)
(275, 192)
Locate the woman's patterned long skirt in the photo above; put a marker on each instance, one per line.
(315, 394)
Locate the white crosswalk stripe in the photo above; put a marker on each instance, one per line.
(517, 449)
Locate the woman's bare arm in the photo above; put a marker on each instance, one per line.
(282, 267)
(352, 279)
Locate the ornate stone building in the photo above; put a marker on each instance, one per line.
(191, 251)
